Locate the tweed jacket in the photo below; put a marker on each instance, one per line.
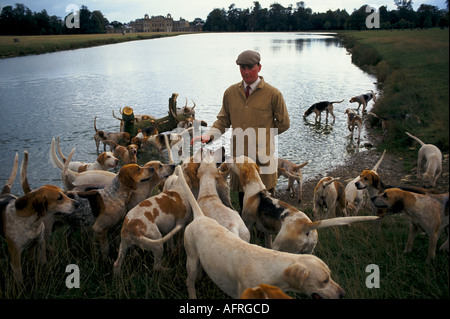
(264, 110)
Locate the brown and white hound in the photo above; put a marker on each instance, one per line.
(354, 121)
(427, 212)
(109, 204)
(104, 161)
(293, 173)
(101, 136)
(363, 99)
(22, 219)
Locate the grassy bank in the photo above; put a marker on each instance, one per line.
(412, 69)
(12, 46)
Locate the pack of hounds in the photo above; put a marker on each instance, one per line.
(194, 196)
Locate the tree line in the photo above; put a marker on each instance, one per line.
(301, 18)
(20, 20)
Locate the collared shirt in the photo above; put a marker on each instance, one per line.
(252, 86)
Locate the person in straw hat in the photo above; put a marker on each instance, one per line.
(256, 105)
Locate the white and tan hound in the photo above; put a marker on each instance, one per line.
(128, 154)
(430, 159)
(210, 201)
(165, 213)
(109, 205)
(293, 173)
(354, 121)
(83, 178)
(363, 99)
(22, 219)
(160, 172)
(427, 212)
(370, 180)
(329, 195)
(105, 161)
(208, 244)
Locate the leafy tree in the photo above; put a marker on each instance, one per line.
(216, 21)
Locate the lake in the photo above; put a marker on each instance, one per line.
(59, 94)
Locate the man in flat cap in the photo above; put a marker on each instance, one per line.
(257, 112)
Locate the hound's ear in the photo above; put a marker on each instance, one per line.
(20, 204)
(126, 176)
(29, 204)
(376, 180)
(244, 176)
(398, 206)
(224, 170)
(40, 205)
(295, 275)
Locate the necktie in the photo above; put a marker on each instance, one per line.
(247, 91)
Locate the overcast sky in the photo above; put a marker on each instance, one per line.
(128, 10)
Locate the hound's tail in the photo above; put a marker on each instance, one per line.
(114, 115)
(415, 138)
(66, 172)
(169, 235)
(325, 184)
(379, 162)
(339, 221)
(95, 126)
(337, 101)
(56, 161)
(288, 173)
(24, 175)
(8, 185)
(303, 165)
(194, 205)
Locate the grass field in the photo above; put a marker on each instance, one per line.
(414, 66)
(346, 250)
(51, 43)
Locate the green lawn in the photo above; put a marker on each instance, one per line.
(50, 43)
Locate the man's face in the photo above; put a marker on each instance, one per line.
(249, 73)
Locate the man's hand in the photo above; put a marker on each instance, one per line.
(202, 138)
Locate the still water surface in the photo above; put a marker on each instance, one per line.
(59, 94)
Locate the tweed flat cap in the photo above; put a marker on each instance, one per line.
(248, 57)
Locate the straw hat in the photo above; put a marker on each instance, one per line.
(127, 110)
